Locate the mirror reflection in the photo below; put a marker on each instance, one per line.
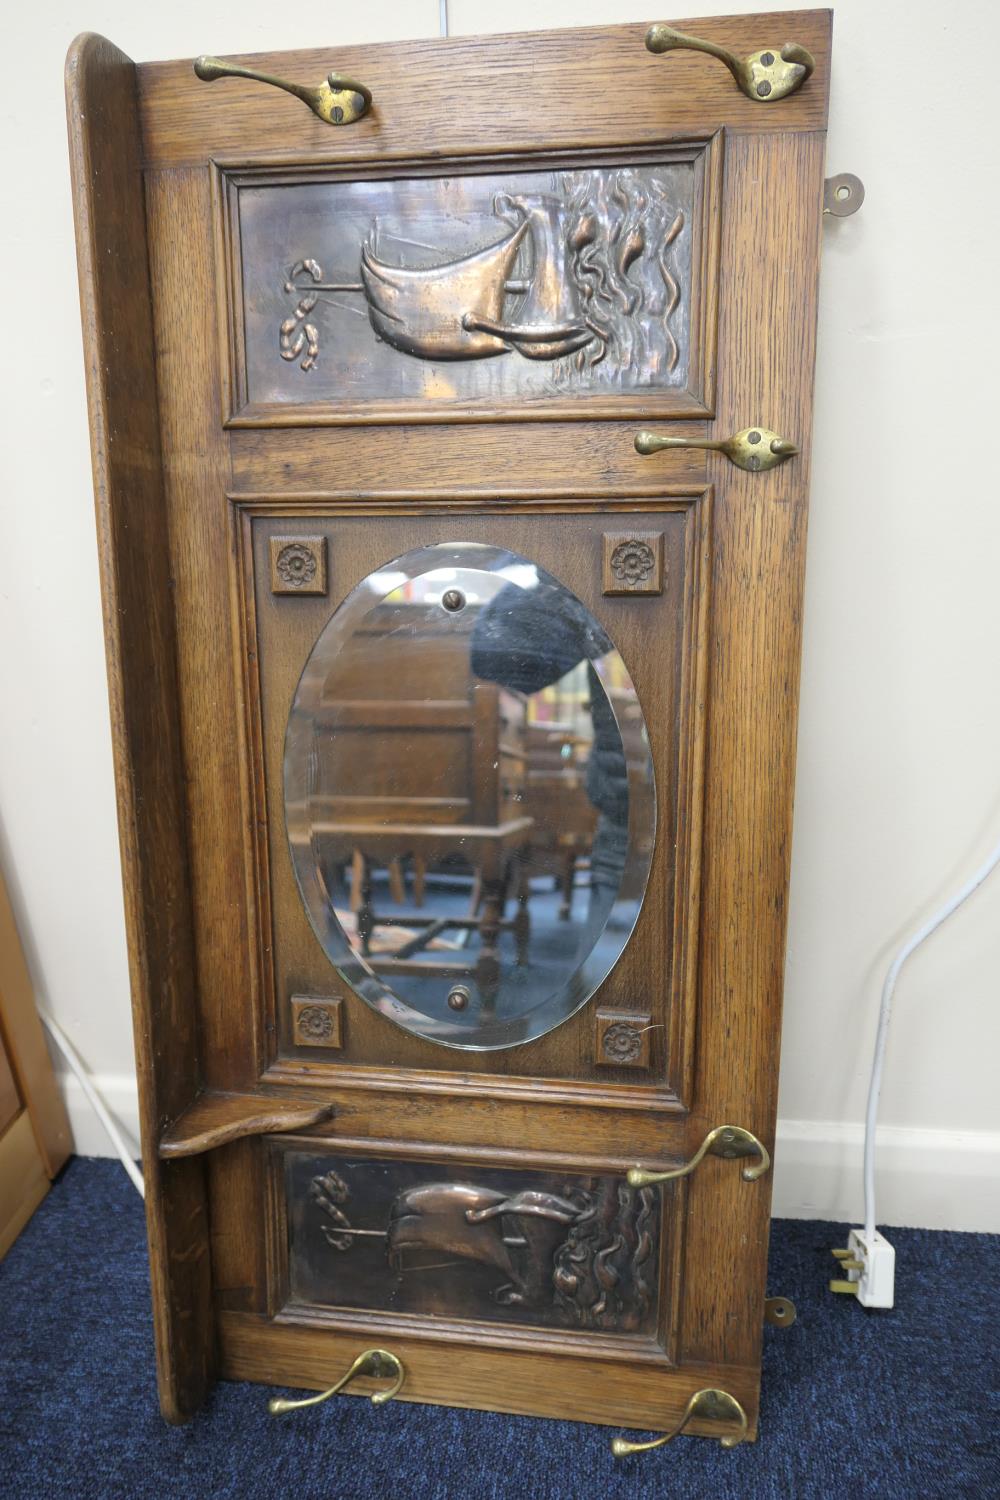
(469, 796)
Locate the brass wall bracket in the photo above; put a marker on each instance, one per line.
(728, 1141)
(708, 1405)
(779, 1312)
(754, 449)
(338, 101)
(843, 195)
(765, 76)
(378, 1363)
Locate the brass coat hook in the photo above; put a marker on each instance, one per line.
(338, 101)
(729, 1141)
(707, 1405)
(765, 76)
(755, 448)
(378, 1363)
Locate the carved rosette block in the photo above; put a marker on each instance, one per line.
(622, 1039)
(633, 562)
(298, 565)
(317, 1023)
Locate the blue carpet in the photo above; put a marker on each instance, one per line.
(856, 1405)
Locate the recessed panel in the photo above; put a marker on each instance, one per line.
(430, 709)
(506, 289)
(557, 1250)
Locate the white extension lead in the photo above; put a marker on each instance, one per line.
(68, 1051)
(869, 1260)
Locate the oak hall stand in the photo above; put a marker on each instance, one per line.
(451, 445)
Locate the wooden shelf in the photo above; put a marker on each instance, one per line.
(215, 1119)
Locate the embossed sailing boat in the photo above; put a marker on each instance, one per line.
(558, 281)
(455, 310)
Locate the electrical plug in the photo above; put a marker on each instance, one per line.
(870, 1269)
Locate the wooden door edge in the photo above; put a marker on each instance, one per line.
(116, 313)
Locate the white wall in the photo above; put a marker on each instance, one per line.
(898, 791)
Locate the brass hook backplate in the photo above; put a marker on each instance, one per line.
(338, 101)
(378, 1363)
(765, 76)
(754, 449)
(729, 1141)
(709, 1405)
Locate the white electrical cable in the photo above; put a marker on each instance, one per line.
(65, 1046)
(443, 17)
(885, 1013)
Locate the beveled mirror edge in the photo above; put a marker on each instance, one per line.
(328, 931)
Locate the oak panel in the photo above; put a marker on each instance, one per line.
(195, 475)
(465, 1373)
(376, 464)
(518, 91)
(757, 582)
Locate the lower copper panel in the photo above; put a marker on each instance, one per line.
(530, 1382)
(546, 1249)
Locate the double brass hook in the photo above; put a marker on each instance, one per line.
(707, 1405)
(337, 101)
(729, 1141)
(765, 76)
(378, 1363)
(755, 449)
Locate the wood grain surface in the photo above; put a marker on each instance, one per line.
(142, 686)
(215, 1120)
(523, 91)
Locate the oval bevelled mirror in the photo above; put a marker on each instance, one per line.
(469, 796)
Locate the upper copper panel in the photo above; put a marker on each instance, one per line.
(555, 290)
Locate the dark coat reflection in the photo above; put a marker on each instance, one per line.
(529, 638)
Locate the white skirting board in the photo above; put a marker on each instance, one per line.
(927, 1179)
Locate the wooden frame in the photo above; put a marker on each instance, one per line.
(142, 140)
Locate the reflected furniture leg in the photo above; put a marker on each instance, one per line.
(566, 886)
(522, 918)
(488, 963)
(366, 916)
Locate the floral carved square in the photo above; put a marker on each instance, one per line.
(317, 1023)
(622, 1039)
(633, 562)
(298, 565)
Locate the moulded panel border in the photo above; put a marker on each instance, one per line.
(673, 1093)
(696, 401)
(658, 1350)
